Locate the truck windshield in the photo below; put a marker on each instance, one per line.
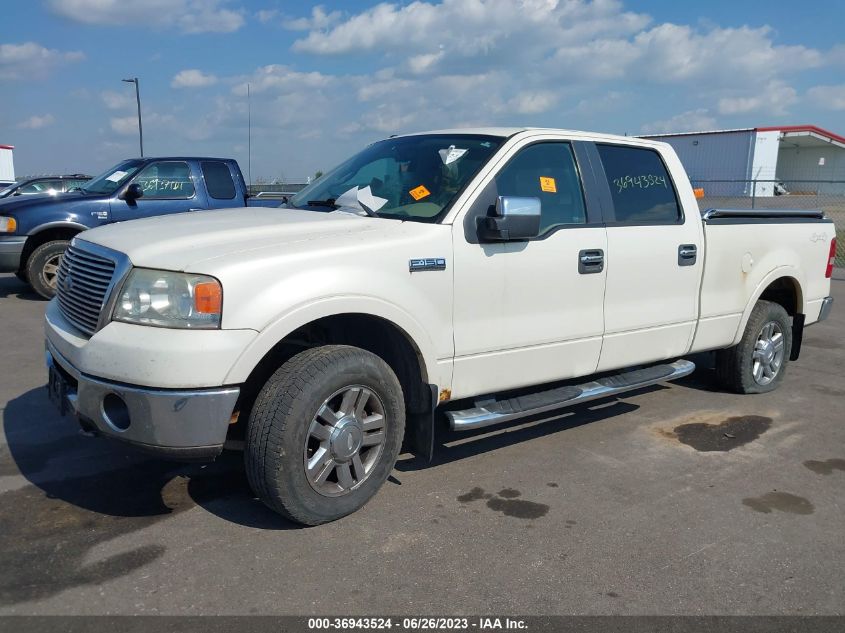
(111, 179)
(408, 178)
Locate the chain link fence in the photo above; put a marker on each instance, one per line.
(827, 195)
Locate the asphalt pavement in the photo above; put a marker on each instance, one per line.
(678, 499)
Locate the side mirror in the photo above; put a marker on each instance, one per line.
(514, 219)
(133, 192)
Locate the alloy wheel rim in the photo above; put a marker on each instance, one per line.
(51, 270)
(345, 440)
(767, 359)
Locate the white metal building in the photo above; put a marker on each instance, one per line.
(727, 162)
(7, 164)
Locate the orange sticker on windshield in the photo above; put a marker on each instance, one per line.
(419, 193)
(548, 184)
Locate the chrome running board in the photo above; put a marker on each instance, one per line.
(540, 402)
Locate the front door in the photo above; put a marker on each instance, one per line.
(528, 312)
(169, 187)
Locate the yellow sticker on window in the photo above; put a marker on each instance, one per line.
(419, 193)
(548, 184)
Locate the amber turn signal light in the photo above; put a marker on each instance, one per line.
(208, 297)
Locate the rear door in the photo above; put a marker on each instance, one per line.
(170, 186)
(653, 262)
(529, 312)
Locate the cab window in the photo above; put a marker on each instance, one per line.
(640, 185)
(166, 179)
(546, 171)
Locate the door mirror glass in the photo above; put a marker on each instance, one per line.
(514, 218)
(133, 192)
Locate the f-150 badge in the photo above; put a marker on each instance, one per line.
(430, 263)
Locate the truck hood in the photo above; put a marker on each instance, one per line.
(183, 241)
(16, 204)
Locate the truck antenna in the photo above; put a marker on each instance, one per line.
(249, 137)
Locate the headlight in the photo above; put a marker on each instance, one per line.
(168, 299)
(8, 225)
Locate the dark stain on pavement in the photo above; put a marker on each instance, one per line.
(825, 467)
(727, 435)
(552, 484)
(828, 391)
(474, 495)
(783, 501)
(507, 502)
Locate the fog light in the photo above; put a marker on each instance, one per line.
(116, 412)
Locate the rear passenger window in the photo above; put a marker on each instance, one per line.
(640, 185)
(218, 180)
(546, 171)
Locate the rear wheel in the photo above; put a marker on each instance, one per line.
(324, 433)
(758, 362)
(42, 267)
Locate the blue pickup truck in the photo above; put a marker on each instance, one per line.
(36, 230)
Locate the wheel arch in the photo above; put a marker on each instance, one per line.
(374, 333)
(47, 233)
(782, 286)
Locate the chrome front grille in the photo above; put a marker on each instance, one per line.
(82, 287)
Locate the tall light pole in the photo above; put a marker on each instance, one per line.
(134, 80)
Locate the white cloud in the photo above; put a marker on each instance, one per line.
(36, 122)
(267, 15)
(118, 100)
(319, 19)
(279, 78)
(189, 16)
(828, 97)
(128, 125)
(192, 78)
(545, 54)
(774, 98)
(532, 102)
(690, 121)
(31, 60)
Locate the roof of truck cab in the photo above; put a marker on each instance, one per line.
(151, 158)
(510, 131)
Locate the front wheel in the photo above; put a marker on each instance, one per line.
(324, 433)
(42, 267)
(758, 362)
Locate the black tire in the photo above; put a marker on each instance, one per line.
(21, 275)
(735, 365)
(39, 272)
(278, 431)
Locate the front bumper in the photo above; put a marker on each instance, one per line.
(11, 247)
(186, 424)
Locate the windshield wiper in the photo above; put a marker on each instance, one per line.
(329, 202)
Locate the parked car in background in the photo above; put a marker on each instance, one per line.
(36, 230)
(480, 265)
(44, 184)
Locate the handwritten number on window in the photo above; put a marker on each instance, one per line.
(643, 181)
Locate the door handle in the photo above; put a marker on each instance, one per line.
(687, 254)
(590, 261)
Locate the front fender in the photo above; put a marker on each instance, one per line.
(57, 224)
(438, 373)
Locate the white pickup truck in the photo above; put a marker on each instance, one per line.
(473, 275)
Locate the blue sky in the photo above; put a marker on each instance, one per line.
(328, 78)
